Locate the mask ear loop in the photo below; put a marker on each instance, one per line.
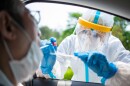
(82, 40)
(7, 49)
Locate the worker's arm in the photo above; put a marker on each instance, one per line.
(122, 76)
(66, 47)
(114, 74)
(116, 51)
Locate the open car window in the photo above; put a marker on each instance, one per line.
(59, 21)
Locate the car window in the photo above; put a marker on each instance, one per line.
(59, 21)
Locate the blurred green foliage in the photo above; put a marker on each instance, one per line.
(46, 33)
(118, 30)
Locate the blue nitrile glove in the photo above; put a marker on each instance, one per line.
(53, 41)
(82, 55)
(48, 59)
(98, 63)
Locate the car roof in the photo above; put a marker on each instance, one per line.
(119, 8)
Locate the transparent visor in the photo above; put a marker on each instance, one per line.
(90, 39)
(81, 29)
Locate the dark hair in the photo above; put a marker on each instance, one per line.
(11, 6)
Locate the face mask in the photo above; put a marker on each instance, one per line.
(83, 41)
(98, 40)
(25, 68)
(90, 40)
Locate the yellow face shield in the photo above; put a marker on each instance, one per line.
(94, 26)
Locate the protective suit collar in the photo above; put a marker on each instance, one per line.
(4, 80)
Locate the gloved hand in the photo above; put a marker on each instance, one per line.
(82, 55)
(54, 43)
(98, 63)
(49, 58)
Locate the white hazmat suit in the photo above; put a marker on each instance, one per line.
(109, 45)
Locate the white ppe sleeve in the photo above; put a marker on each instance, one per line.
(116, 51)
(122, 77)
(65, 47)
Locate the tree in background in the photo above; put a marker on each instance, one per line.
(46, 33)
(119, 31)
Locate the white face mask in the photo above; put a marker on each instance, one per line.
(90, 41)
(83, 41)
(24, 69)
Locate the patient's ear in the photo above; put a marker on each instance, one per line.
(7, 29)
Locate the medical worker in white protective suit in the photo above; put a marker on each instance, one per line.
(92, 37)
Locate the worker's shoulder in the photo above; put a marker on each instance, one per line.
(113, 39)
(71, 37)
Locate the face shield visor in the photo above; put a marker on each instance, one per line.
(92, 33)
